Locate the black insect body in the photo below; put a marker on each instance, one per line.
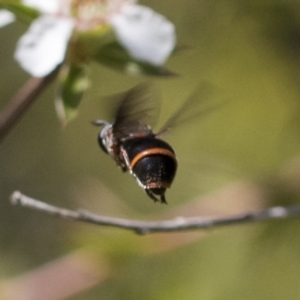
(130, 141)
(152, 162)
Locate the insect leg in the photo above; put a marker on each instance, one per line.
(163, 199)
(125, 159)
(151, 195)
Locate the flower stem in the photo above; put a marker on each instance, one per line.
(21, 102)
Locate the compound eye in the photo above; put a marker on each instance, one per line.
(102, 143)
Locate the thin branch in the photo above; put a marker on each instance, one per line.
(11, 114)
(144, 227)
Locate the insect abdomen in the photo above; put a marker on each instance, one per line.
(155, 171)
(152, 161)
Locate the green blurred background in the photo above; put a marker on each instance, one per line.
(244, 156)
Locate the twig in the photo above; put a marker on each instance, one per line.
(144, 227)
(18, 105)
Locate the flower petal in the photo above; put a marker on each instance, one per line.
(44, 45)
(44, 6)
(6, 17)
(146, 35)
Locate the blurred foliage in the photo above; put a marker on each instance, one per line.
(23, 13)
(250, 52)
(114, 56)
(73, 84)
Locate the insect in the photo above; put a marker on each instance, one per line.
(132, 144)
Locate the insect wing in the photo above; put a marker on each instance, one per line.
(199, 104)
(138, 108)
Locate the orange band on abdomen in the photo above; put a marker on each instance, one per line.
(152, 151)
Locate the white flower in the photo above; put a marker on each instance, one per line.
(41, 49)
(145, 34)
(6, 17)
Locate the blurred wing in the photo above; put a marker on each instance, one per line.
(199, 104)
(138, 108)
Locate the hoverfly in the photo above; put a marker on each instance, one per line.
(132, 144)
